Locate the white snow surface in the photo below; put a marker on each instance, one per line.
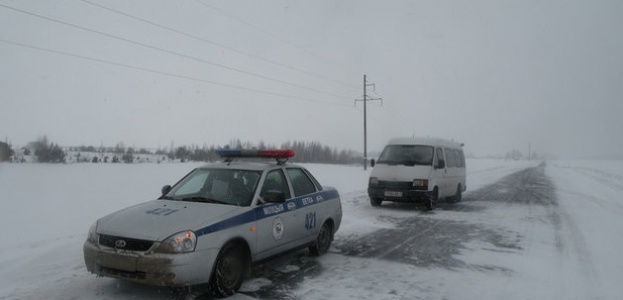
(47, 210)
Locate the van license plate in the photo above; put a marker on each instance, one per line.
(393, 194)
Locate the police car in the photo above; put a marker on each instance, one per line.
(215, 222)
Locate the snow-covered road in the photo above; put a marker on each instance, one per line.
(523, 231)
(520, 237)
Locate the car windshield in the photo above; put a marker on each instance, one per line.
(408, 155)
(223, 186)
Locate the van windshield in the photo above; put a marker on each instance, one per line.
(409, 155)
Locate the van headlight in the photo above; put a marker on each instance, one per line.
(373, 181)
(420, 183)
(181, 242)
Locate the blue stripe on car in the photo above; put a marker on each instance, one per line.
(261, 212)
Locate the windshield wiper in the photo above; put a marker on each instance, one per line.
(167, 198)
(204, 199)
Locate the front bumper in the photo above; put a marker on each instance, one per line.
(399, 194)
(150, 268)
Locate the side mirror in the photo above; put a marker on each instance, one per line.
(440, 164)
(166, 189)
(372, 162)
(273, 196)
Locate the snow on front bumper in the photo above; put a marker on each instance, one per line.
(150, 268)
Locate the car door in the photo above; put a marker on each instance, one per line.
(276, 225)
(306, 214)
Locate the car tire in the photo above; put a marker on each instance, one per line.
(459, 194)
(376, 201)
(229, 271)
(323, 240)
(431, 202)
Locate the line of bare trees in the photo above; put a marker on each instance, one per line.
(306, 152)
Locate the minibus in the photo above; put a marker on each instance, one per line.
(418, 170)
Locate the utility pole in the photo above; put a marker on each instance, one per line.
(365, 123)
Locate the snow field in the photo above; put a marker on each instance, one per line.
(571, 250)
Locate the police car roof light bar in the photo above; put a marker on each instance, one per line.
(281, 155)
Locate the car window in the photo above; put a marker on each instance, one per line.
(226, 186)
(457, 158)
(314, 180)
(450, 162)
(276, 181)
(301, 184)
(462, 156)
(439, 160)
(192, 184)
(409, 155)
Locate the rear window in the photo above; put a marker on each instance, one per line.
(408, 155)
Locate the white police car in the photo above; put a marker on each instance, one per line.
(215, 222)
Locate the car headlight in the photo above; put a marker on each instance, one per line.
(420, 183)
(181, 242)
(374, 181)
(92, 237)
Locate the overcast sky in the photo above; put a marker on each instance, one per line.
(495, 75)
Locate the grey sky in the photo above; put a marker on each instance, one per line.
(496, 75)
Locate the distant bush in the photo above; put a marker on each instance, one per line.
(5, 151)
(128, 158)
(48, 152)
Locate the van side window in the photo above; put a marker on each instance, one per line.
(450, 161)
(458, 158)
(462, 158)
(440, 161)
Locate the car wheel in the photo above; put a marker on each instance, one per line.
(459, 194)
(376, 201)
(229, 271)
(323, 241)
(431, 202)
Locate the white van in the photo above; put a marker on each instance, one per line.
(418, 170)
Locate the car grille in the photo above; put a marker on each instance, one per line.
(122, 274)
(399, 185)
(130, 244)
(396, 185)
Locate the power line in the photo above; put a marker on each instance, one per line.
(304, 49)
(172, 52)
(167, 73)
(217, 44)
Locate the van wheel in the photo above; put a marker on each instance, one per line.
(376, 201)
(459, 194)
(431, 202)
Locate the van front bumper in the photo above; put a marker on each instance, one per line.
(410, 195)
